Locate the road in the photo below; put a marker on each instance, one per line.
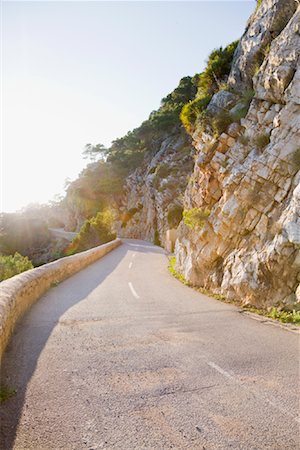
(124, 356)
(61, 233)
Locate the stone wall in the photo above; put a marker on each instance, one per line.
(21, 291)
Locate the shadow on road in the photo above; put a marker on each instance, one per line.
(33, 331)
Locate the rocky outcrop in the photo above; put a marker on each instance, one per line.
(154, 192)
(249, 178)
(265, 24)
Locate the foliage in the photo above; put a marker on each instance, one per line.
(259, 2)
(13, 265)
(23, 234)
(128, 215)
(195, 218)
(94, 231)
(243, 139)
(173, 271)
(210, 81)
(261, 140)
(285, 316)
(6, 392)
(100, 185)
(245, 101)
(277, 314)
(93, 152)
(217, 69)
(220, 122)
(191, 110)
(296, 159)
(163, 170)
(174, 215)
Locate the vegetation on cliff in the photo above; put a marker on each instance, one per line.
(210, 81)
(94, 231)
(13, 265)
(100, 184)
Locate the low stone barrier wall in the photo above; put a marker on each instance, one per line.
(18, 293)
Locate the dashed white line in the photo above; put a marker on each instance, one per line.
(133, 255)
(133, 290)
(220, 370)
(130, 265)
(263, 397)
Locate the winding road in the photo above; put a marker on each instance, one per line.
(123, 356)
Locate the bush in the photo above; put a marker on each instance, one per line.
(95, 231)
(191, 110)
(296, 159)
(173, 271)
(196, 217)
(217, 69)
(244, 140)
(162, 171)
(261, 140)
(174, 215)
(13, 265)
(128, 215)
(221, 122)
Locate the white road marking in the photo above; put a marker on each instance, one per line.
(263, 397)
(220, 370)
(133, 290)
(133, 255)
(130, 265)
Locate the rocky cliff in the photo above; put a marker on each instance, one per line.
(249, 179)
(243, 195)
(153, 200)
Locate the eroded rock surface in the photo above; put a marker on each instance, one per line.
(249, 247)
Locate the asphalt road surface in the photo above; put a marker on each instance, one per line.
(123, 356)
(61, 233)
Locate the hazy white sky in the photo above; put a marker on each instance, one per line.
(87, 72)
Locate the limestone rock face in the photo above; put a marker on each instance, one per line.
(264, 25)
(222, 101)
(249, 246)
(155, 189)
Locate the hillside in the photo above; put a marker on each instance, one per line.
(218, 161)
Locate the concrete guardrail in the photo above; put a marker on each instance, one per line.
(18, 293)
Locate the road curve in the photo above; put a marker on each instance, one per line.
(123, 356)
(60, 233)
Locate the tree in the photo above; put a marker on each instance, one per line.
(94, 152)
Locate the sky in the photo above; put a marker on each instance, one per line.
(88, 72)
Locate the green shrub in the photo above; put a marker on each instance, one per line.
(244, 140)
(95, 231)
(163, 170)
(195, 218)
(247, 97)
(174, 215)
(285, 316)
(13, 265)
(191, 110)
(245, 101)
(217, 69)
(173, 271)
(221, 122)
(261, 140)
(296, 159)
(128, 215)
